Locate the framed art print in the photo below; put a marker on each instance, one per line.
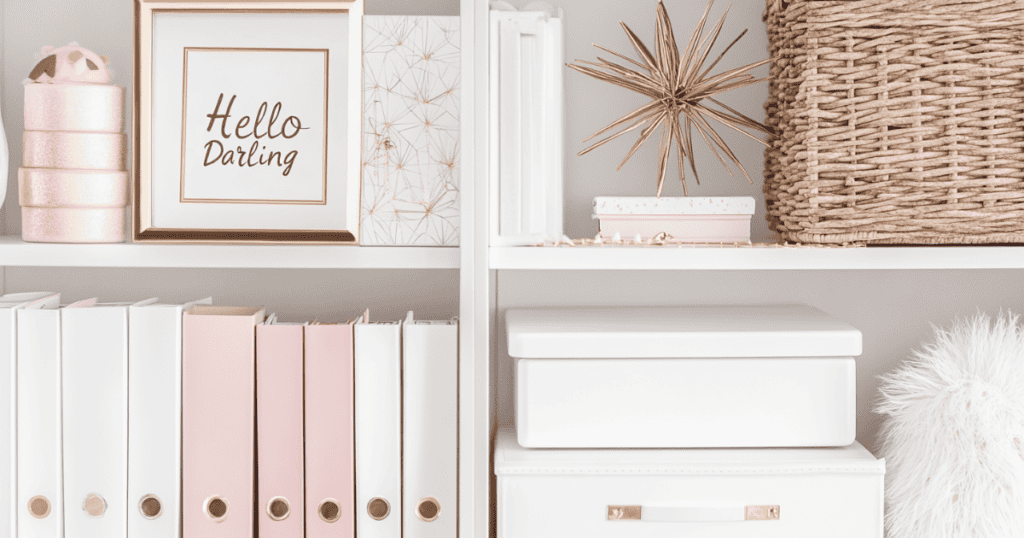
(247, 121)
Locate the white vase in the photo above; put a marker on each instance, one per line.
(4, 162)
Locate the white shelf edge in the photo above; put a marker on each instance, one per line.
(755, 259)
(15, 252)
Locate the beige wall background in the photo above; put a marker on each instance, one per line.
(894, 309)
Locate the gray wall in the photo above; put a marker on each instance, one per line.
(592, 104)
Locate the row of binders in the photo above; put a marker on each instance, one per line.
(152, 420)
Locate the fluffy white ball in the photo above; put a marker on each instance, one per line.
(954, 432)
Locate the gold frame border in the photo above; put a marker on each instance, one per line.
(142, 121)
(184, 128)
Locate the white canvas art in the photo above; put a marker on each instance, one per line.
(411, 83)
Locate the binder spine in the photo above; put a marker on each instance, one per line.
(330, 450)
(218, 422)
(378, 430)
(8, 422)
(430, 429)
(40, 485)
(279, 430)
(154, 429)
(94, 351)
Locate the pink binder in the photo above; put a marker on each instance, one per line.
(218, 408)
(279, 418)
(330, 461)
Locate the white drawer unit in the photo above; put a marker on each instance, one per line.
(700, 377)
(681, 493)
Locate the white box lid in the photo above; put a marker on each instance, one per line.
(512, 459)
(686, 332)
(642, 205)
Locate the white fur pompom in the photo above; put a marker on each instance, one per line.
(954, 434)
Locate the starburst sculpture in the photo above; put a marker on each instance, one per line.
(679, 86)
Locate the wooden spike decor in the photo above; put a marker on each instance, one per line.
(679, 87)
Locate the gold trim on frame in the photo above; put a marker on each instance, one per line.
(142, 106)
(184, 128)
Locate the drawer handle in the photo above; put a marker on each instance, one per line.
(693, 514)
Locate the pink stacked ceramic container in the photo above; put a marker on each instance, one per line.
(73, 186)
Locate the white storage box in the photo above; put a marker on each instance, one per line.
(701, 377)
(690, 219)
(771, 493)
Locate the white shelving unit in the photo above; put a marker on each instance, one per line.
(752, 258)
(479, 266)
(14, 253)
(543, 276)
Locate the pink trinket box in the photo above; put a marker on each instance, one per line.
(691, 219)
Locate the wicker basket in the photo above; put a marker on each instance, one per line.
(897, 121)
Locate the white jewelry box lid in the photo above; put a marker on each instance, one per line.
(643, 205)
(686, 332)
(512, 459)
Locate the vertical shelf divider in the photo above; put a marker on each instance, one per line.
(474, 369)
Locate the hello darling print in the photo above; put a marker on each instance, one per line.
(255, 126)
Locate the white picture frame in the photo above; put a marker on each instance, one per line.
(247, 121)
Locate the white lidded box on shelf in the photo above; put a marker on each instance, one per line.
(768, 493)
(694, 377)
(691, 219)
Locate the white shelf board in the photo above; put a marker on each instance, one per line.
(15, 252)
(754, 258)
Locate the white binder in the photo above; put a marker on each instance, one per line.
(154, 420)
(40, 464)
(94, 362)
(378, 370)
(430, 362)
(9, 306)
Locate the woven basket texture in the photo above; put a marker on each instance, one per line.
(896, 121)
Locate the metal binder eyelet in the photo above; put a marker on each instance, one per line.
(217, 508)
(151, 507)
(94, 505)
(428, 509)
(624, 513)
(39, 507)
(278, 509)
(762, 513)
(329, 510)
(378, 508)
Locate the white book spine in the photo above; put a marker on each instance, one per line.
(94, 350)
(154, 421)
(527, 115)
(430, 428)
(378, 409)
(510, 104)
(40, 484)
(553, 175)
